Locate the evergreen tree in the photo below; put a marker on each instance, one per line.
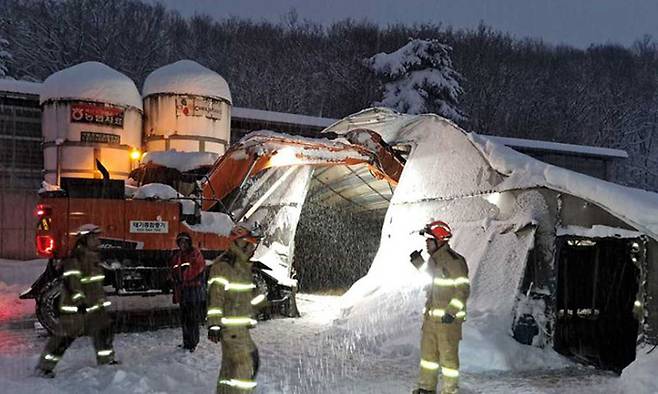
(5, 57)
(419, 78)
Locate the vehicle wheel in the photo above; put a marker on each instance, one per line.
(262, 288)
(288, 308)
(48, 305)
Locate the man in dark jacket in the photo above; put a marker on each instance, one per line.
(83, 306)
(188, 274)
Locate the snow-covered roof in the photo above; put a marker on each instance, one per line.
(187, 77)
(582, 150)
(182, 161)
(280, 117)
(637, 207)
(91, 81)
(389, 124)
(597, 231)
(23, 87)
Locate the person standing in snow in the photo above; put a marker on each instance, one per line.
(445, 310)
(232, 296)
(188, 274)
(83, 307)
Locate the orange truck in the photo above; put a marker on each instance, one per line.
(138, 235)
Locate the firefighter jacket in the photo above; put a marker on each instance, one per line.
(450, 287)
(187, 271)
(83, 304)
(232, 295)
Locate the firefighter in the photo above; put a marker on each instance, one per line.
(445, 310)
(83, 306)
(188, 274)
(232, 296)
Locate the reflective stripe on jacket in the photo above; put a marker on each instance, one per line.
(450, 287)
(232, 295)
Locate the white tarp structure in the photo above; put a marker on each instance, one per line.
(491, 196)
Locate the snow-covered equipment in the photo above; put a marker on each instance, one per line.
(187, 108)
(90, 112)
(245, 185)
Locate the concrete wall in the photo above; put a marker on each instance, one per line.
(17, 224)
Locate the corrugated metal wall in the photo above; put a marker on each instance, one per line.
(21, 156)
(17, 224)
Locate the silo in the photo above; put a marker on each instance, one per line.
(187, 108)
(90, 112)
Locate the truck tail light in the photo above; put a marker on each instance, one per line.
(42, 210)
(45, 245)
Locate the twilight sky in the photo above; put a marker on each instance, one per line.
(574, 22)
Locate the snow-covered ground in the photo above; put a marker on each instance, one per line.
(324, 351)
(15, 277)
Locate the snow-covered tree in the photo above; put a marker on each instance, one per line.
(5, 57)
(419, 78)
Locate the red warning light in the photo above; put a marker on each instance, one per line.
(45, 245)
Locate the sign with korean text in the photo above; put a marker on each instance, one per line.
(104, 114)
(149, 226)
(198, 106)
(99, 138)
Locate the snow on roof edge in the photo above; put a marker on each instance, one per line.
(380, 115)
(91, 81)
(585, 150)
(19, 86)
(632, 205)
(187, 77)
(280, 117)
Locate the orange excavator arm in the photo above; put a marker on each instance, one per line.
(262, 150)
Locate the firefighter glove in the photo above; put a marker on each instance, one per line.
(447, 318)
(416, 258)
(215, 334)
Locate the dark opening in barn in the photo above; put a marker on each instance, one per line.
(340, 227)
(597, 289)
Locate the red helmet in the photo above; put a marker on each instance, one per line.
(439, 230)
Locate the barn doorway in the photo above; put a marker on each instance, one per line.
(339, 229)
(598, 284)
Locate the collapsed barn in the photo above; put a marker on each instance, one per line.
(568, 260)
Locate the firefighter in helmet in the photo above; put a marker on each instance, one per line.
(83, 306)
(187, 271)
(232, 297)
(445, 310)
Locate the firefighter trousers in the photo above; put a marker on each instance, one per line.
(439, 353)
(239, 362)
(57, 344)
